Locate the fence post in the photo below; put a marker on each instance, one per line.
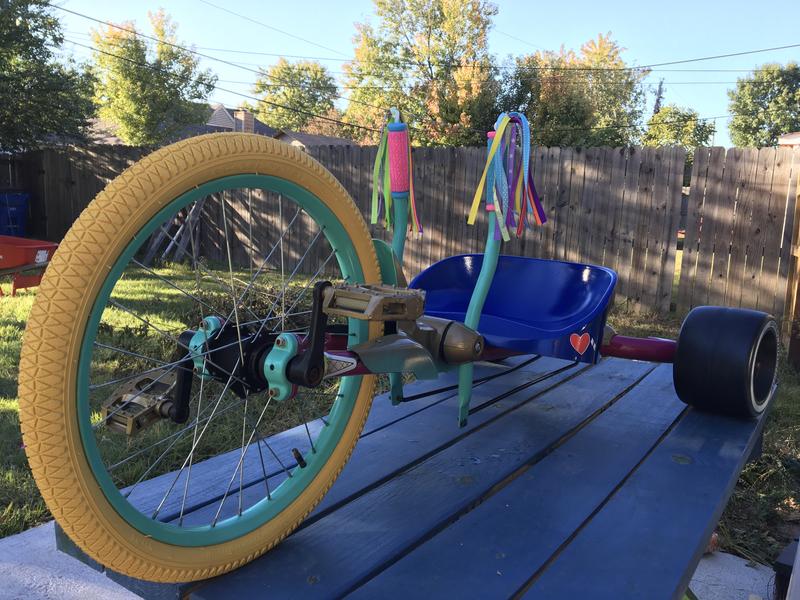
(793, 288)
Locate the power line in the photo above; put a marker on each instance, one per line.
(201, 54)
(363, 127)
(301, 111)
(477, 65)
(513, 37)
(246, 18)
(247, 96)
(375, 130)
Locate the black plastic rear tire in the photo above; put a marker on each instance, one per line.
(726, 360)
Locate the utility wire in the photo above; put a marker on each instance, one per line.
(300, 111)
(260, 73)
(247, 96)
(252, 20)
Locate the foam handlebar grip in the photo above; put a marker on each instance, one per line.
(398, 158)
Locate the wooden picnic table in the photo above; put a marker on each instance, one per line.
(568, 482)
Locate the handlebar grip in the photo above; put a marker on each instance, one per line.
(398, 158)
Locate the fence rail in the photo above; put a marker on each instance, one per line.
(619, 207)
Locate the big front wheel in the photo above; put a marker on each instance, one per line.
(231, 231)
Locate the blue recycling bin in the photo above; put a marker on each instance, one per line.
(14, 213)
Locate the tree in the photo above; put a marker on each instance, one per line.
(615, 94)
(292, 93)
(430, 59)
(149, 90)
(552, 97)
(676, 126)
(591, 97)
(765, 105)
(330, 124)
(40, 97)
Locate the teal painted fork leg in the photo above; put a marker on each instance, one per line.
(476, 302)
(400, 202)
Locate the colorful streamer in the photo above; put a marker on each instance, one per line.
(507, 179)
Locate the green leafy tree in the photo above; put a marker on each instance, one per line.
(149, 90)
(590, 97)
(430, 59)
(40, 97)
(293, 92)
(765, 105)
(552, 98)
(676, 126)
(613, 86)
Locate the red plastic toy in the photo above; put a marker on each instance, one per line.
(20, 255)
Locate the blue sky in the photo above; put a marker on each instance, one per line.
(650, 33)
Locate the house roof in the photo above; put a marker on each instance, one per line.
(100, 131)
(223, 117)
(297, 138)
(220, 119)
(789, 139)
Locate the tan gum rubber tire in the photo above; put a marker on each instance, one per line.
(55, 332)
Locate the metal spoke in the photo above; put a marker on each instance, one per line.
(310, 282)
(230, 272)
(153, 465)
(244, 432)
(194, 446)
(175, 364)
(269, 255)
(191, 460)
(305, 424)
(129, 353)
(172, 436)
(296, 314)
(199, 266)
(241, 460)
(294, 272)
(249, 296)
(173, 338)
(172, 366)
(176, 287)
(283, 274)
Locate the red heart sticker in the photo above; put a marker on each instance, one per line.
(579, 342)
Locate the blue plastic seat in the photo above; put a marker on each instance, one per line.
(531, 300)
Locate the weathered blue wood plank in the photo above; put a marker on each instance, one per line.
(494, 549)
(210, 478)
(335, 554)
(653, 530)
(411, 439)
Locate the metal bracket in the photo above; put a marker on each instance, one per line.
(276, 363)
(397, 353)
(198, 343)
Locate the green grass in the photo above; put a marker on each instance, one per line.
(21, 506)
(762, 516)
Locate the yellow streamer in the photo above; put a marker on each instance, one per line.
(476, 201)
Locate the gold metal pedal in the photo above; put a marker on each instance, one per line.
(137, 404)
(374, 302)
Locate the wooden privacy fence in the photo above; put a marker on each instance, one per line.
(619, 207)
(739, 228)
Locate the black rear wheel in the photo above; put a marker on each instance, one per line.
(726, 360)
